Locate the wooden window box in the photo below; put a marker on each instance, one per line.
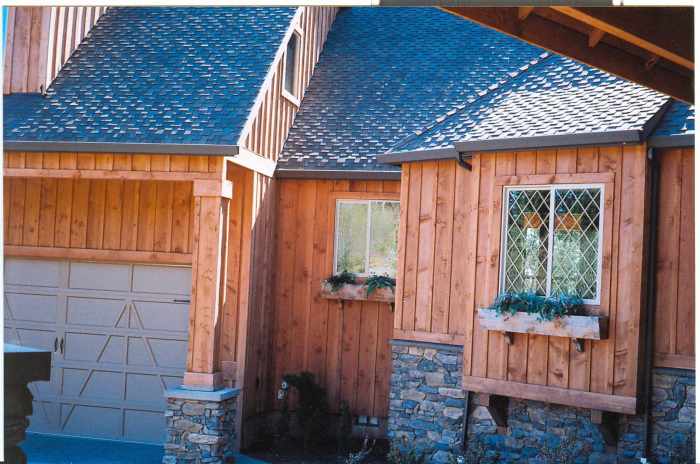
(357, 292)
(578, 328)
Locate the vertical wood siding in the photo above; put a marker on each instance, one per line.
(39, 41)
(346, 348)
(675, 264)
(273, 114)
(55, 216)
(449, 267)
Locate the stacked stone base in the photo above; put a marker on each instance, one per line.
(426, 401)
(427, 407)
(200, 426)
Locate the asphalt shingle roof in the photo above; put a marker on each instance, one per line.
(156, 75)
(394, 80)
(678, 120)
(552, 97)
(385, 72)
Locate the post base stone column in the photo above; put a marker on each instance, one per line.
(200, 426)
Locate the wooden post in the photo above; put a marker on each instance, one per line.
(210, 238)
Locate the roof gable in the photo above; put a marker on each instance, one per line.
(157, 76)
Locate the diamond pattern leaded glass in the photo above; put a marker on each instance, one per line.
(527, 236)
(576, 242)
(572, 235)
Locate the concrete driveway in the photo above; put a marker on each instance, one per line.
(46, 449)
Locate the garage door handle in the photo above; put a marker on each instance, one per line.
(61, 346)
(180, 301)
(55, 344)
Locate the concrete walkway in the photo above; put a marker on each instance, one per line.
(47, 449)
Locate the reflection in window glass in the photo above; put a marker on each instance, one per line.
(366, 236)
(563, 220)
(384, 231)
(351, 233)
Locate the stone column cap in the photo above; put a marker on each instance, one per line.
(222, 394)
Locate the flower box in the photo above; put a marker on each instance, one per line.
(357, 292)
(576, 327)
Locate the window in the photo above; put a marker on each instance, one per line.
(290, 65)
(552, 240)
(366, 234)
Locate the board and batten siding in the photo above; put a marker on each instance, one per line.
(449, 252)
(273, 113)
(66, 205)
(674, 328)
(39, 41)
(345, 346)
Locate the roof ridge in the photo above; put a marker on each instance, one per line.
(480, 95)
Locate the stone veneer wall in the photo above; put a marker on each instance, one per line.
(427, 408)
(426, 401)
(200, 426)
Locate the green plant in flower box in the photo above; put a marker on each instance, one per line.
(546, 308)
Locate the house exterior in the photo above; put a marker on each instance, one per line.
(177, 188)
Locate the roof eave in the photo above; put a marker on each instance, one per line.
(117, 147)
(552, 141)
(345, 174)
(672, 141)
(396, 158)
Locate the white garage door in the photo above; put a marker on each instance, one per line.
(118, 333)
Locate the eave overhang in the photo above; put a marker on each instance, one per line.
(116, 147)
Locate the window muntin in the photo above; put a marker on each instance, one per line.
(552, 240)
(290, 65)
(366, 235)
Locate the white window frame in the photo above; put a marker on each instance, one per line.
(292, 96)
(336, 229)
(550, 239)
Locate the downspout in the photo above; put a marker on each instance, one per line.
(650, 296)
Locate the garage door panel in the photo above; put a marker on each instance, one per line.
(100, 348)
(168, 353)
(144, 388)
(169, 316)
(99, 312)
(103, 422)
(33, 272)
(104, 385)
(125, 341)
(162, 279)
(100, 276)
(137, 354)
(31, 308)
(145, 426)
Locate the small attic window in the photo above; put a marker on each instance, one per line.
(290, 66)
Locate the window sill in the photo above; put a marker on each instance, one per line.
(357, 292)
(575, 327)
(291, 98)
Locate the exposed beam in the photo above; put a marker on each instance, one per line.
(565, 41)
(524, 12)
(594, 37)
(625, 35)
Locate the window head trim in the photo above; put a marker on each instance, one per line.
(551, 229)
